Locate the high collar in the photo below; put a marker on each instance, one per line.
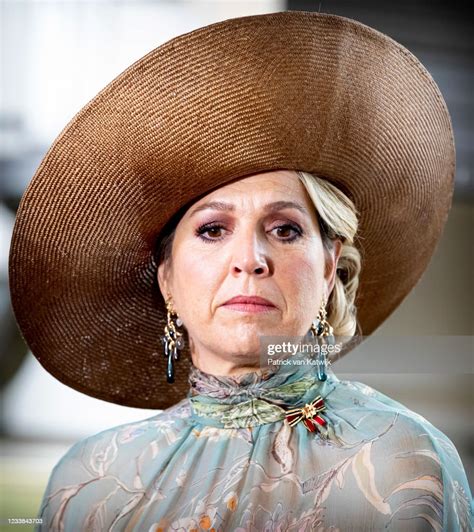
(253, 398)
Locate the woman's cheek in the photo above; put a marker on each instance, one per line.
(304, 273)
(197, 292)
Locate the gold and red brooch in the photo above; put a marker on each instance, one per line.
(309, 414)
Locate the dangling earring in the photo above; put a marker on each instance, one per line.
(172, 340)
(321, 329)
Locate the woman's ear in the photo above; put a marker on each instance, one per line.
(163, 279)
(331, 265)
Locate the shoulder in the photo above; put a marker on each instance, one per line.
(419, 464)
(164, 426)
(429, 473)
(402, 426)
(106, 465)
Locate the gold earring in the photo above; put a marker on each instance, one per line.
(322, 329)
(173, 339)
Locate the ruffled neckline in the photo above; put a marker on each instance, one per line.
(253, 398)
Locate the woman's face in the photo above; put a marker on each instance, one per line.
(256, 237)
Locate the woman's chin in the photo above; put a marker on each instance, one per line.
(243, 325)
(241, 348)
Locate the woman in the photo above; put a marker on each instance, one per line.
(285, 162)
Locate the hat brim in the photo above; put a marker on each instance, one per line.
(291, 90)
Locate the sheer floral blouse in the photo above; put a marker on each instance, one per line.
(265, 451)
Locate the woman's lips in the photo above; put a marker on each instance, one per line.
(253, 304)
(247, 307)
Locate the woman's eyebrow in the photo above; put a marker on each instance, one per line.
(270, 207)
(284, 204)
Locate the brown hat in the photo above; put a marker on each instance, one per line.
(291, 90)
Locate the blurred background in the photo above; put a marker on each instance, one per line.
(56, 55)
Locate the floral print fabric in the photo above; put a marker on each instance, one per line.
(225, 459)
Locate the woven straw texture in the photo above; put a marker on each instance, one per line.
(294, 90)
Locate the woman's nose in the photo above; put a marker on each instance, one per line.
(249, 256)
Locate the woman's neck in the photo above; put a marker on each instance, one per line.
(215, 364)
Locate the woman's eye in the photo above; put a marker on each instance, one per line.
(287, 232)
(210, 232)
(215, 232)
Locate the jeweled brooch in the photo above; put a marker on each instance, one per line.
(309, 414)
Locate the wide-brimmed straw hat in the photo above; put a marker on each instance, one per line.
(290, 90)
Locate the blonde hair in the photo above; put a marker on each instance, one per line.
(338, 218)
